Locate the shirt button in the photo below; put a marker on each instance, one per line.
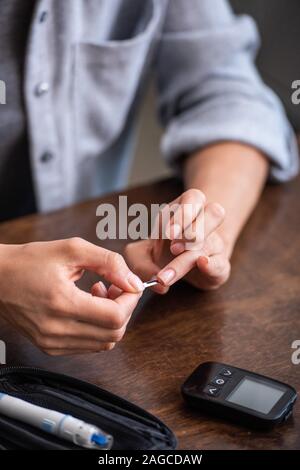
(43, 16)
(46, 157)
(41, 88)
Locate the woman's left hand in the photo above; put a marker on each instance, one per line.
(191, 248)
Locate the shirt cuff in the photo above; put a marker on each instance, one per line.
(245, 121)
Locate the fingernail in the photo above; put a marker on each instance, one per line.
(176, 231)
(177, 248)
(135, 282)
(166, 276)
(102, 288)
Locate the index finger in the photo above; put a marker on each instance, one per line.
(178, 267)
(106, 263)
(190, 207)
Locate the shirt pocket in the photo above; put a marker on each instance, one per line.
(106, 79)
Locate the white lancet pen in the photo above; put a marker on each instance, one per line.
(52, 422)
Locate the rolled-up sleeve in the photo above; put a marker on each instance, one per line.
(209, 89)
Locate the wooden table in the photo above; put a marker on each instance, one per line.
(251, 322)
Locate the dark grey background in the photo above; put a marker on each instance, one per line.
(279, 57)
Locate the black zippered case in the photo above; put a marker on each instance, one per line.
(132, 427)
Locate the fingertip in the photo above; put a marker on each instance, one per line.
(177, 248)
(113, 292)
(166, 276)
(160, 289)
(99, 290)
(135, 283)
(203, 262)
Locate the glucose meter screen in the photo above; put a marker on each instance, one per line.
(255, 395)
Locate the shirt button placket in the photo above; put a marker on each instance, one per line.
(49, 177)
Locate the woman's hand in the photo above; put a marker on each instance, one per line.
(191, 247)
(39, 297)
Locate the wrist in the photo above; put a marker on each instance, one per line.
(7, 257)
(233, 175)
(4, 255)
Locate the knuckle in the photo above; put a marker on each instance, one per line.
(218, 266)
(74, 244)
(55, 329)
(195, 195)
(107, 346)
(117, 321)
(114, 260)
(117, 335)
(44, 342)
(227, 270)
(213, 244)
(129, 250)
(134, 252)
(222, 276)
(43, 328)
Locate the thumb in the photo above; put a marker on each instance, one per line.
(106, 263)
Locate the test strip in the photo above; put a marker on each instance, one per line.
(152, 282)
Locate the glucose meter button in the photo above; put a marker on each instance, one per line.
(220, 381)
(227, 373)
(212, 391)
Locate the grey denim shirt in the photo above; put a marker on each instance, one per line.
(87, 62)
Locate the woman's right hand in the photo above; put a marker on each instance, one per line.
(39, 297)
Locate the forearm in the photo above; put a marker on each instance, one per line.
(232, 174)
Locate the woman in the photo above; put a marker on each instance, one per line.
(65, 135)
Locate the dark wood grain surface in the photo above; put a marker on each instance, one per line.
(250, 323)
